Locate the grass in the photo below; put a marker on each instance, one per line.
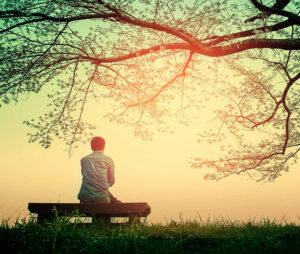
(210, 236)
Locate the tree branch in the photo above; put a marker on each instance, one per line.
(139, 53)
(272, 28)
(121, 17)
(218, 51)
(279, 4)
(43, 16)
(67, 98)
(166, 85)
(82, 109)
(295, 19)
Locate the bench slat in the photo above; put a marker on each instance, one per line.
(110, 209)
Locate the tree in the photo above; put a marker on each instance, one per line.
(144, 54)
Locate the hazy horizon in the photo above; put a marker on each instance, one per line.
(157, 172)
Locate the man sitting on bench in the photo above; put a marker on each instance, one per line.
(97, 172)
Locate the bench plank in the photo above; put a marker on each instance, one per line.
(131, 210)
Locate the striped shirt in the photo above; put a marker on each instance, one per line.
(97, 172)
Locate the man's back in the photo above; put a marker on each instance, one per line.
(97, 176)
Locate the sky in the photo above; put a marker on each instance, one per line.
(157, 172)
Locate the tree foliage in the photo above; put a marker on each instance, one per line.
(148, 56)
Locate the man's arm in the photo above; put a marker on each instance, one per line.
(111, 173)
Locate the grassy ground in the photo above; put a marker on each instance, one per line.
(211, 236)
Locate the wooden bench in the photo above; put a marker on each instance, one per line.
(46, 211)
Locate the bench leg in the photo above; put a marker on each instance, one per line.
(101, 218)
(43, 218)
(133, 218)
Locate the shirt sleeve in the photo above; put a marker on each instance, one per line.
(111, 173)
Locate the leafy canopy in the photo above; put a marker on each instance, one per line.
(159, 59)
